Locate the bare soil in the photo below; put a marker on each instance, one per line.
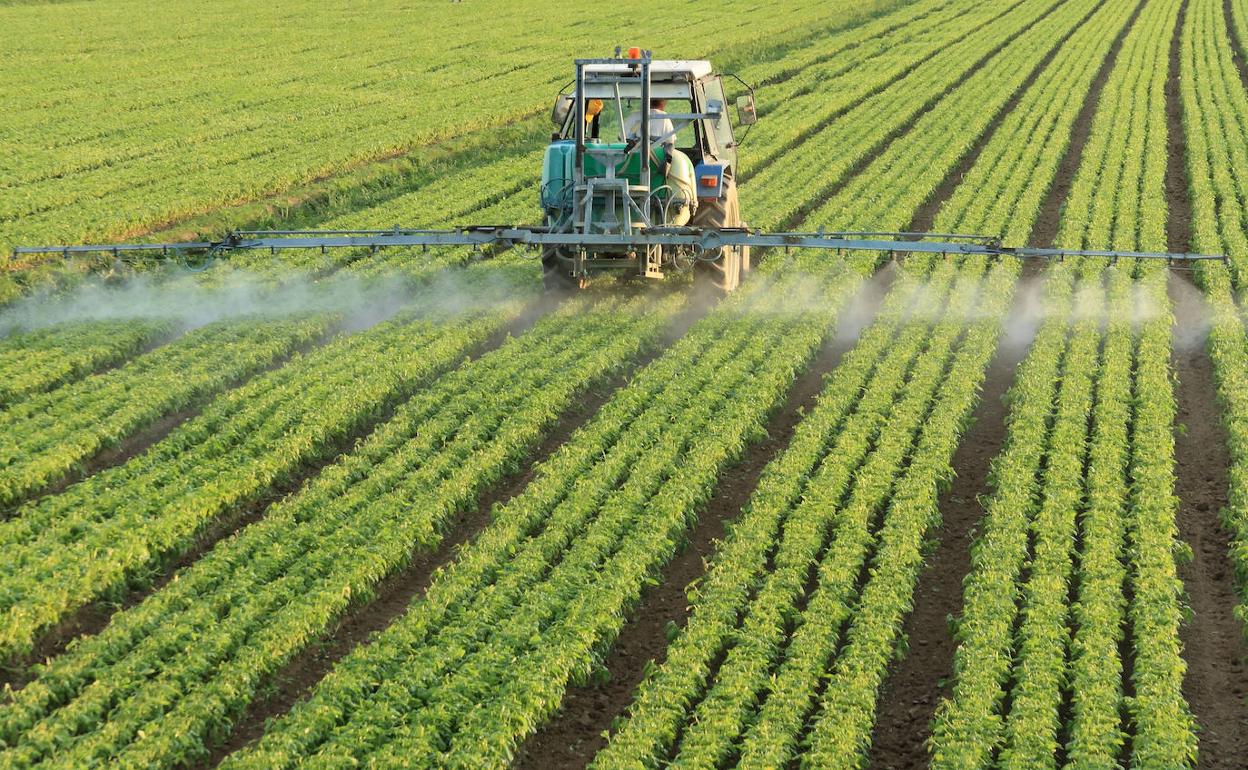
(579, 731)
(1216, 684)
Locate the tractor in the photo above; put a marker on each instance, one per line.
(616, 167)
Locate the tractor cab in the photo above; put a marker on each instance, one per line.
(615, 168)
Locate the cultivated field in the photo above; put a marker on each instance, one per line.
(403, 509)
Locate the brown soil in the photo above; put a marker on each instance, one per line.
(1044, 231)
(578, 732)
(1237, 51)
(1213, 640)
(914, 686)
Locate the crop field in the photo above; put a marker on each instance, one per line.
(403, 508)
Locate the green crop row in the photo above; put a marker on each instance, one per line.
(947, 132)
(1030, 730)
(841, 732)
(1096, 668)
(832, 154)
(37, 361)
(1163, 729)
(967, 727)
(716, 719)
(45, 437)
(819, 95)
(1214, 110)
(258, 598)
(849, 413)
(787, 695)
(70, 548)
(548, 582)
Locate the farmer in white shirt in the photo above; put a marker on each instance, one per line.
(661, 130)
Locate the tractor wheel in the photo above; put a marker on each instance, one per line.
(723, 274)
(555, 276)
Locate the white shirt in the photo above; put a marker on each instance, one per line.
(661, 129)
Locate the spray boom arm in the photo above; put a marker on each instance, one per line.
(703, 241)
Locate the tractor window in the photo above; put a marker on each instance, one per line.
(715, 101)
(609, 129)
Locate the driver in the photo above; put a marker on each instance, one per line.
(661, 129)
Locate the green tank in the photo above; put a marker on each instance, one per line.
(556, 190)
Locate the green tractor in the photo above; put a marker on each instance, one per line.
(614, 168)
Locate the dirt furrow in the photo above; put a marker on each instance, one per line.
(1216, 684)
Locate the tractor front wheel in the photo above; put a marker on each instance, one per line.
(724, 274)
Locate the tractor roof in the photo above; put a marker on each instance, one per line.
(661, 69)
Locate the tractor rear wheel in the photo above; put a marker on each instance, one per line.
(555, 276)
(723, 274)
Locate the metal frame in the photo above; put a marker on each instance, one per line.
(692, 239)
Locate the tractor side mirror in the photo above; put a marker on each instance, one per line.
(746, 115)
(559, 113)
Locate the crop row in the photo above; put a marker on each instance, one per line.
(1215, 111)
(831, 155)
(245, 442)
(45, 437)
(821, 94)
(263, 595)
(1094, 488)
(36, 361)
(847, 417)
(488, 651)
